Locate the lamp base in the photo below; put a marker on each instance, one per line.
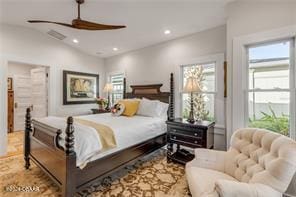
(191, 117)
(191, 121)
(107, 108)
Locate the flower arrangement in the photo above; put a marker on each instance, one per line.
(102, 102)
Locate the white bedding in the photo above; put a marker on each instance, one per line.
(128, 131)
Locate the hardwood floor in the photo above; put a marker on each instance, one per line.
(15, 143)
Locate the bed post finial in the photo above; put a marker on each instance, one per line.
(28, 129)
(124, 88)
(172, 100)
(28, 119)
(69, 144)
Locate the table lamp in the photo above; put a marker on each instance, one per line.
(108, 88)
(191, 86)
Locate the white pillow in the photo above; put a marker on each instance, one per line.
(149, 108)
(163, 108)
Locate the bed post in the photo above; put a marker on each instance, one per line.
(69, 187)
(28, 129)
(124, 88)
(172, 100)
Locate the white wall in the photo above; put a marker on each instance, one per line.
(3, 104)
(155, 63)
(244, 19)
(19, 44)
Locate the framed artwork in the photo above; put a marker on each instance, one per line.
(80, 88)
(9, 83)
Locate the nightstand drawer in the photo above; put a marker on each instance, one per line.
(185, 140)
(185, 131)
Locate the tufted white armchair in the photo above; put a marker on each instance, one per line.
(258, 163)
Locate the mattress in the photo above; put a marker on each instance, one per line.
(128, 131)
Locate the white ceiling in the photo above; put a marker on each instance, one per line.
(145, 20)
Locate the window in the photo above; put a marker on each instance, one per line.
(270, 85)
(117, 82)
(204, 102)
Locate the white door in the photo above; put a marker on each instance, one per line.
(22, 100)
(39, 92)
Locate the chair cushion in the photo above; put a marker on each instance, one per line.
(202, 181)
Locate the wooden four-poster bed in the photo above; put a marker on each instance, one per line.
(59, 163)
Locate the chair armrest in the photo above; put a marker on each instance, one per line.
(226, 188)
(210, 159)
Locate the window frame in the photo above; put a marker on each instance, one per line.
(219, 108)
(290, 90)
(236, 74)
(214, 93)
(110, 75)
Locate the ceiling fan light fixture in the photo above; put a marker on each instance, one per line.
(115, 49)
(75, 41)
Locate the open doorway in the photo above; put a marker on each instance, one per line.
(27, 87)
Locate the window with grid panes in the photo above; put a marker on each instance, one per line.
(117, 82)
(270, 86)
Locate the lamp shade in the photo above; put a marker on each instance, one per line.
(108, 87)
(191, 85)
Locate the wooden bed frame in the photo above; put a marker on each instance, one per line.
(41, 146)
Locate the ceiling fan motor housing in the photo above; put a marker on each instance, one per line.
(80, 1)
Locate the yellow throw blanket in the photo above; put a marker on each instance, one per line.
(106, 133)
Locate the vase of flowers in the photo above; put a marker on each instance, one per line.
(102, 102)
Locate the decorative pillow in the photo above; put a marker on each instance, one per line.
(149, 108)
(131, 106)
(117, 109)
(227, 188)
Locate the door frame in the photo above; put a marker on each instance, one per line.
(9, 129)
(37, 66)
(4, 61)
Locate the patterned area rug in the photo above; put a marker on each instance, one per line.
(148, 176)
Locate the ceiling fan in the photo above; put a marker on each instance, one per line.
(82, 24)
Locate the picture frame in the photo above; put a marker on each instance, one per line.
(80, 88)
(9, 84)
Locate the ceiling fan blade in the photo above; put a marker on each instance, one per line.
(57, 23)
(81, 24)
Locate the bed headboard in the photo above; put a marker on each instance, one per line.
(153, 92)
(148, 91)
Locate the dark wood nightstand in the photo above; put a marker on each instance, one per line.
(196, 135)
(100, 111)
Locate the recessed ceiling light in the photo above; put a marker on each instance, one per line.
(75, 41)
(166, 32)
(115, 49)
